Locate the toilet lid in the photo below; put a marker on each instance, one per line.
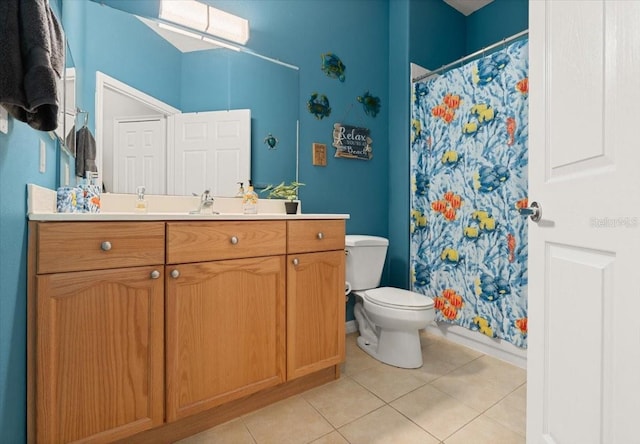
(398, 298)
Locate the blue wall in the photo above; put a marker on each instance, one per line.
(19, 165)
(376, 39)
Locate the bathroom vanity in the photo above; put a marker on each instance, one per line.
(153, 328)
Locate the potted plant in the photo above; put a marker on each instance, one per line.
(284, 191)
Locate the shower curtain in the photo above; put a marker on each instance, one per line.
(469, 179)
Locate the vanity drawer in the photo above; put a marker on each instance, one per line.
(78, 246)
(304, 236)
(210, 241)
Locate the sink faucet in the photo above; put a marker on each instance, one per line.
(206, 201)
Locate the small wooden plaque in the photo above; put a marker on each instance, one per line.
(319, 154)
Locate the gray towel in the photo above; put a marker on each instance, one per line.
(32, 55)
(85, 152)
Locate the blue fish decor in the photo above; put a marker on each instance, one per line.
(318, 105)
(271, 141)
(370, 104)
(333, 66)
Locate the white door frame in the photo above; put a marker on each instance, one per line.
(105, 82)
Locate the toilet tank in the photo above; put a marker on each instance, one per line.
(365, 260)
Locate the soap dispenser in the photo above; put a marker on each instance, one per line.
(141, 203)
(250, 201)
(240, 192)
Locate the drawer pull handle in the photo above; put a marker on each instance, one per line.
(106, 246)
(155, 274)
(234, 240)
(175, 274)
(320, 235)
(295, 262)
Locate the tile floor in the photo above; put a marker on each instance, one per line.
(459, 396)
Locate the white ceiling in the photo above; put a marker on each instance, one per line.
(467, 6)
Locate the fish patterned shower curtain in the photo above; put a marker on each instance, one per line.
(469, 142)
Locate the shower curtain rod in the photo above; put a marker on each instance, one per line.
(470, 56)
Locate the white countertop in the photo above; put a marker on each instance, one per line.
(71, 217)
(41, 206)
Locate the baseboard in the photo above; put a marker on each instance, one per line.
(351, 326)
(497, 348)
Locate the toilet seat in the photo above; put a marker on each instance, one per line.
(398, 298)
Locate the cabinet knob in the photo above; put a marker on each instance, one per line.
(106, 246)
(155, 274)
(175, 274)
(234, 240)
(320, 235)
(295, 262)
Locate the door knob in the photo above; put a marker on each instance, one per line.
(534, 211)
(175, 274)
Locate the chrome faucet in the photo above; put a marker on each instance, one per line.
(206, 202)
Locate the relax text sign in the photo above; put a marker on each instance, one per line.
(352, 142)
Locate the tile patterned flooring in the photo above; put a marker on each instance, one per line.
(459, 396)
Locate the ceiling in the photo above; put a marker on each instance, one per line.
(467, 6)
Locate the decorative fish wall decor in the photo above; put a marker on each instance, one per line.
(333, 66)
(370, 104)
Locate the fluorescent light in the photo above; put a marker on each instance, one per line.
(228, 26)
(198, 16)
(179, 30)
(189, 13)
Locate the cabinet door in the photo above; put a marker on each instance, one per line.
(99, 363)
(225, 331)
(315, 311)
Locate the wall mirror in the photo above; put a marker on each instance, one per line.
(127, 73)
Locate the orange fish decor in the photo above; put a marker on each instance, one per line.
(448, 205)
(452, 101)
(439, 205)
(522, 325)
(438, 111)
(511, 130)
(453, 297)
(523, 86)
(447, 109)
(522, 203)
(439, 303)
(511, 246)
(450, 312)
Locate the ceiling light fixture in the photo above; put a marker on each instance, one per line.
(205, 19)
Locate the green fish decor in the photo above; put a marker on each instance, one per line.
(271, 141)
(370, 104)
(318, 105)
(333, 66)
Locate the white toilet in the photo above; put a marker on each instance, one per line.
(388, 318)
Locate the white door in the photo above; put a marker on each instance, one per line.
(139, 156)
(211, 151)
(584, 279)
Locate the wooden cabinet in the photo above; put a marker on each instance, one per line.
(225, 318)
(315, 296)
(225, 331)
(97, 371)
(173, 327)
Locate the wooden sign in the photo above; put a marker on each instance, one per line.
(319, 154)
(352, 142)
